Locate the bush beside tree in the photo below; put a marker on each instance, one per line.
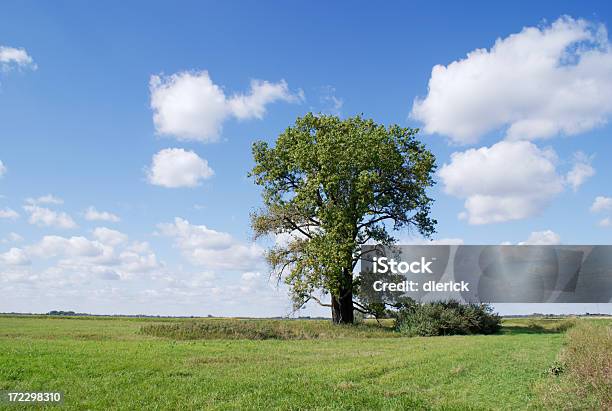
(445, 318)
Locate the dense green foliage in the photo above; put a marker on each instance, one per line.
(106, 363)
(331, 185)
(446, 318)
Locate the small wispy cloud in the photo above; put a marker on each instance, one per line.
(330, 102)
(92, 214)
(11, 57)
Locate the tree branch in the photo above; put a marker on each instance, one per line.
(360, 310)
(361, 306)
(375, 220)
(297, 227)
(312, 297)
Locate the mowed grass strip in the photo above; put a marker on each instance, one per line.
(110, 364)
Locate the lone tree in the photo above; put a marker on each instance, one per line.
(330, 186)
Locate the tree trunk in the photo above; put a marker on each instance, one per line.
(342, 307)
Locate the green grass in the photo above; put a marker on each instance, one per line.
(111, 364)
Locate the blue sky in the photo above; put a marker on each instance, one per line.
(91, 119)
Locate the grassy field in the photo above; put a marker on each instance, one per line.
(111, 363)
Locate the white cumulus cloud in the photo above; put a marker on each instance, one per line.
(109, 236)
(176, 167)
(510, 180)
(2, 168)
(11, 56)
(189, 106)
(15, 256)
(92, 214)
(211, 249)
(46, 217)
(581, 171)
(107, 256)
(76, 246)
(601, 203)
(547, 237)
(538, 83)
(9, 213)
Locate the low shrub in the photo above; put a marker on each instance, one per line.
(446, 318)
(255, 329)
(534, 325)
(565, 325)
(232, 329)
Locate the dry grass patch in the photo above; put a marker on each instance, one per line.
(582, 375)
(239, 329)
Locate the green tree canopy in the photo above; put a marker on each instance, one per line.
(331, 185)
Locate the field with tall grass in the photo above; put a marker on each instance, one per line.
(583, 370)
(138, 363)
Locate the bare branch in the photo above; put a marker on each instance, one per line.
(322, 304)
(297, 227)
(360, 310)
